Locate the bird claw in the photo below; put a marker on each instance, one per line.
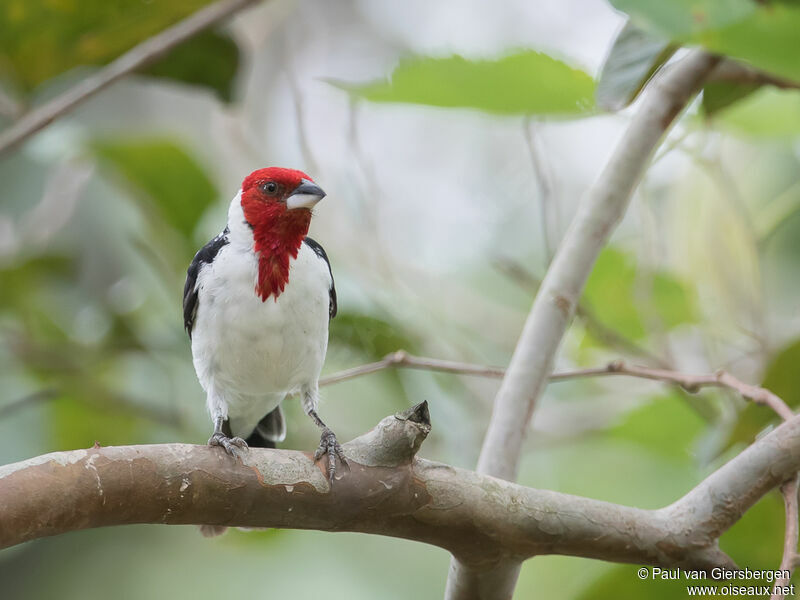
(330, 446)
(234, 446)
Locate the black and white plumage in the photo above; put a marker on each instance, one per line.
(256, 304)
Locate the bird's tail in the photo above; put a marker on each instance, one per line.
(212, 530)
(270, 430)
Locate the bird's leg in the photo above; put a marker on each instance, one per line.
(222, 437)
(328, 444)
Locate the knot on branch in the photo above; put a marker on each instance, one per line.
(394, 441)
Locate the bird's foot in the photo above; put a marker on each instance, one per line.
(235, 446)
(328, 445)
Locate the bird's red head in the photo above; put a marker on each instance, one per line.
(277, 205)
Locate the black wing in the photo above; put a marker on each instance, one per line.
(320, 251)
(204, 256)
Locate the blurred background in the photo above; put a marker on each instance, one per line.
(449, 187)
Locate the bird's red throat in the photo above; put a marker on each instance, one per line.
(277, 235)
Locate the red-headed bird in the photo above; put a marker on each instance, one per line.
(256, 306)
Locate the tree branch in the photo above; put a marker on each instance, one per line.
(691, 383)
(137, 57)
(532, 361)
(401, 358)
(387, 491)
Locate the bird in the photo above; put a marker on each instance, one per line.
(257, 304)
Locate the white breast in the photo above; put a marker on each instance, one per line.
(248, 353)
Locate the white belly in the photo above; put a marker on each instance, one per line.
(250, 354)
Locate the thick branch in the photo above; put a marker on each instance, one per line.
(532, 361)
(600, 211)
(482, 520)
(136, 58)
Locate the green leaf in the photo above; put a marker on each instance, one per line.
(21, 280)
(76, 422)
(208, 59)
(673, 301)
(768, 39)
(616, 297)
(44, 39)
(166, 174)
(634, 58)
(623, 583)
(763, 34)
(783, 378)
(764, 523)
(666, 426)
(768, 112)
(370, 336)
(721, 94)
(682, 18)
(610, 293)
(527, 82)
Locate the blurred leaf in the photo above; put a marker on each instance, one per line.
(612, 293)
(763, 34)
(524, 83)
(777, 212)
(763, 522)
(44, 39)
(623, 583)
(21, 280)
(370, 336)
(721, 94)
(767, 39)
(79, 422)
(635, 56)
(769, 112)
(680, 18)
(783, 378)
(208, 59)
(667, 425)
(673, 301)
(166, 173)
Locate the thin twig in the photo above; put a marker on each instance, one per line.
(543, 179)
(721, 379)
(401, 358)
(137, 57)
(299, 113)
(691, 383)
(790, 557)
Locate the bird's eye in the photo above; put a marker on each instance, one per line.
(270, 187)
